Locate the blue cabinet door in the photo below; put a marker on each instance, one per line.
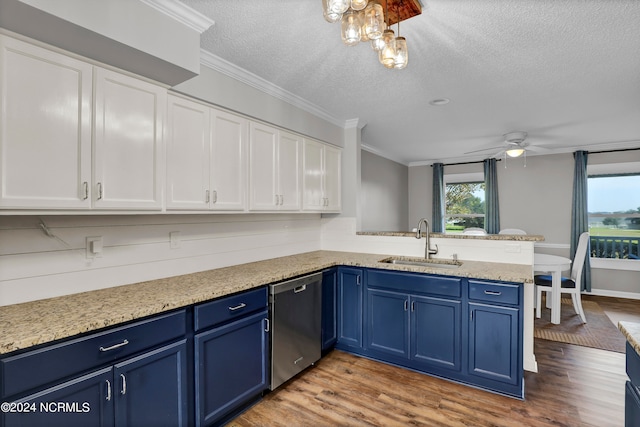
(230, 367)
(86, 401)
(494, 344)
(387, 327)
(151, 389)
(631, 405)
(436, 332)
(350, 307)
(329, 305)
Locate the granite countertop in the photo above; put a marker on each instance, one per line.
(631, 330)
(38, 322)
(519, 237)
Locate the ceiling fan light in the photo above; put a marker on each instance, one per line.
(373, 20)
(350, 28)
(358, 4)
(515, 152)
(338, 6)
(402, 54)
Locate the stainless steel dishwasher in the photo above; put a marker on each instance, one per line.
(295, 315)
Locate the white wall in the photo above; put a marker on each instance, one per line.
(34, 265)
(384, 197)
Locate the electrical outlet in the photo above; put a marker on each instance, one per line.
(512, 248)
(94, 246)
(174, 240)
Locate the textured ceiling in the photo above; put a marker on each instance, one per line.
(565, 71)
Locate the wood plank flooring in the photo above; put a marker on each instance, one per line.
(575, 386)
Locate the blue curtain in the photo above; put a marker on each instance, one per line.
(579, 213)
(492, 206)
(437, 219)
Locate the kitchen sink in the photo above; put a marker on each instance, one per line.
(421, 262)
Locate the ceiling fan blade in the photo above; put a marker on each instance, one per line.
(485, 149)
(538, 149)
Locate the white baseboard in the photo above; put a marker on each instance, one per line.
(614, 294)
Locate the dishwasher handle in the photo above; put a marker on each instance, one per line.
(299, 289)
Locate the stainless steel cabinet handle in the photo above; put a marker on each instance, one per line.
(493, 293)
(215, 196)
(266, 325)
(206, 198)
(99, 191)
(406, 305)
(108, 390)
(413, 306)
(299, 289)
(358, 280)
(113, 347)
(124, 384)
(85, 186)
(238, 307)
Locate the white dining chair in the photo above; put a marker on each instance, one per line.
(474, 231)
(569, 285)
(512, 231)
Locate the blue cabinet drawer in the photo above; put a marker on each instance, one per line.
(228, 308)
(633, 365)
(57, 362)
(415, 283)
(493, 292)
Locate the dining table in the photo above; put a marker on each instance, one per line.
(554, 265)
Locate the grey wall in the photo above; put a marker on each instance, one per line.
(537, 199)
(384, 197)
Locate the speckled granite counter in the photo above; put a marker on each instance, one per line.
(631, 330)
(32, 323)
(518, 237)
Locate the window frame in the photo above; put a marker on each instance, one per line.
(614, 169)
(462, 178)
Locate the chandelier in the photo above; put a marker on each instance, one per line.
(371, 20)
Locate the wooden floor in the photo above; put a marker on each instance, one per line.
(575, 386)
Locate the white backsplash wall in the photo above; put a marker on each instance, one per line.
(136, 248)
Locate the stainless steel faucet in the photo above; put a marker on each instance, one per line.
(427, 249)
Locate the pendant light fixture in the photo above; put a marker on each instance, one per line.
(368, 20)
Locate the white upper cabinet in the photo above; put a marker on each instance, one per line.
(321, 177)
(274, 170)
(229, 134)
(188, 152)
(45, 128)
(206, 157)
(128, 142)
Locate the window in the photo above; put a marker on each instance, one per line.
(614, 213)
(464, 202)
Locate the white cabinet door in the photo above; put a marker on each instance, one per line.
(312, 194)
(45, 128)
(228, 161)
(289, 146)
(263, 188)
(128, 142)
(332, 178)
(188, 146)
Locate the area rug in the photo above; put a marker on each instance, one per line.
(598, 332)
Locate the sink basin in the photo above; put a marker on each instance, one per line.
(421, 262)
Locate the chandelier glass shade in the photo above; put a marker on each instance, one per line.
(369, 20)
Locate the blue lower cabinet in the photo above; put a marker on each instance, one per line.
(631, 405)
(147, 390)
(151, 390)
(387, 327)
(494, 343)
(230, 367)
(436, 332)
(90, 399)
(350, 300)
(329, 308)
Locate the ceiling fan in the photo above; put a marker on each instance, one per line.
(514, 145)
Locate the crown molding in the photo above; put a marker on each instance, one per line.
(223, 66)
(182, 13)
(377, 152)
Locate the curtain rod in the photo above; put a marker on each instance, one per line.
(465, 163)
(613, 151)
